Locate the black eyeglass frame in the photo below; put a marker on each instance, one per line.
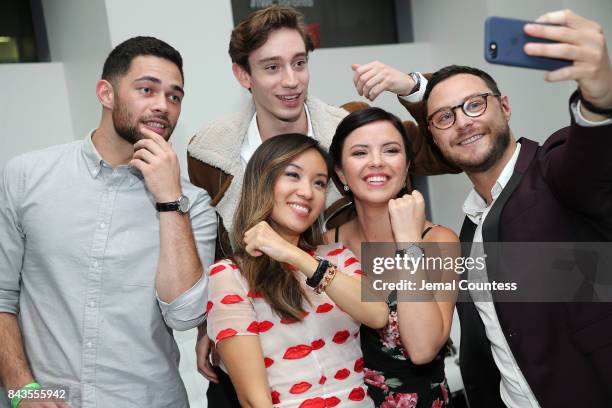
(462, 106)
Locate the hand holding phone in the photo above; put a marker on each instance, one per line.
(582, 41)
(570, 46)
(505, 39)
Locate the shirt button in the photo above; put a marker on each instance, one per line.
(95, 264)
(89, 344)
(92, 304)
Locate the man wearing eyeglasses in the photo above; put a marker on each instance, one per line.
(533, 354)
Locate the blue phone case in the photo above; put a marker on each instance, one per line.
(504, 41)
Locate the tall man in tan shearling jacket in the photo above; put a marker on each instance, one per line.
(269, 51)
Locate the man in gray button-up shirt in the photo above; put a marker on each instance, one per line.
(94, 272)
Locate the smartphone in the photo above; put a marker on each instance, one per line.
(504, 41)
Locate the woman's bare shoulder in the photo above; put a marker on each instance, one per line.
(440, 233)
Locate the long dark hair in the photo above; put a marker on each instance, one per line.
(278, 285)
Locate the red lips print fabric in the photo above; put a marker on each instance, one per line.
(231, 299)
(296, 352)
(254, 294)
(341, 336)
(352, 260)
(275, 397)
(300, 387)
(317, 344)
(336, 252)
(224, 334)
(216, 269)
(313, 362)
(324, 308)
(357, 394)
(342, 374)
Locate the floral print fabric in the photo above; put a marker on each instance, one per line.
(393, 380)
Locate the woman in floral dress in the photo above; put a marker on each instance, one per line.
(282, 343)
(404, 361)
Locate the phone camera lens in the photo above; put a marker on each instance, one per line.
(493, 50)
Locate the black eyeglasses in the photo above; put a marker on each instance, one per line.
(473, 107)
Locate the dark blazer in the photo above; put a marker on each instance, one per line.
(559, 192)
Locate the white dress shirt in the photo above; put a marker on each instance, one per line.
(253, 138)
(79, 253)
(514, 389)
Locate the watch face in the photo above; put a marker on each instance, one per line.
(183, 204)
(414, 252)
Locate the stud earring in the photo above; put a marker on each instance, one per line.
(346, 187)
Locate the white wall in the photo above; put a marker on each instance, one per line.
(331, 76)
(78, 37)
(34, 110)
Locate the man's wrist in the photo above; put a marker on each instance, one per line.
(592, 112)
(16, 396)
(168, 197)
(417, 93)
(584, 117)
(17, 382)
(416, 78)
(180, 205)
(202, 330)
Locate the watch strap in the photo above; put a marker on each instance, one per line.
(317, 276)
(411, 251)
(416, 77)
(164, 207)
(180, 205)
(593, 108)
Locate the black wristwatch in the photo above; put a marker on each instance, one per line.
(413, 251)
(416, 77)
(181, 205)
(593, 108)
(317, 276)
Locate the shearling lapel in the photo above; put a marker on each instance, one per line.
(219, 144)
(324, 119)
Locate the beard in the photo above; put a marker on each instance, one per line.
(126, 126)
(501, 140)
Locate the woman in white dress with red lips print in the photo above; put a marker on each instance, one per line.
(285, 312)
